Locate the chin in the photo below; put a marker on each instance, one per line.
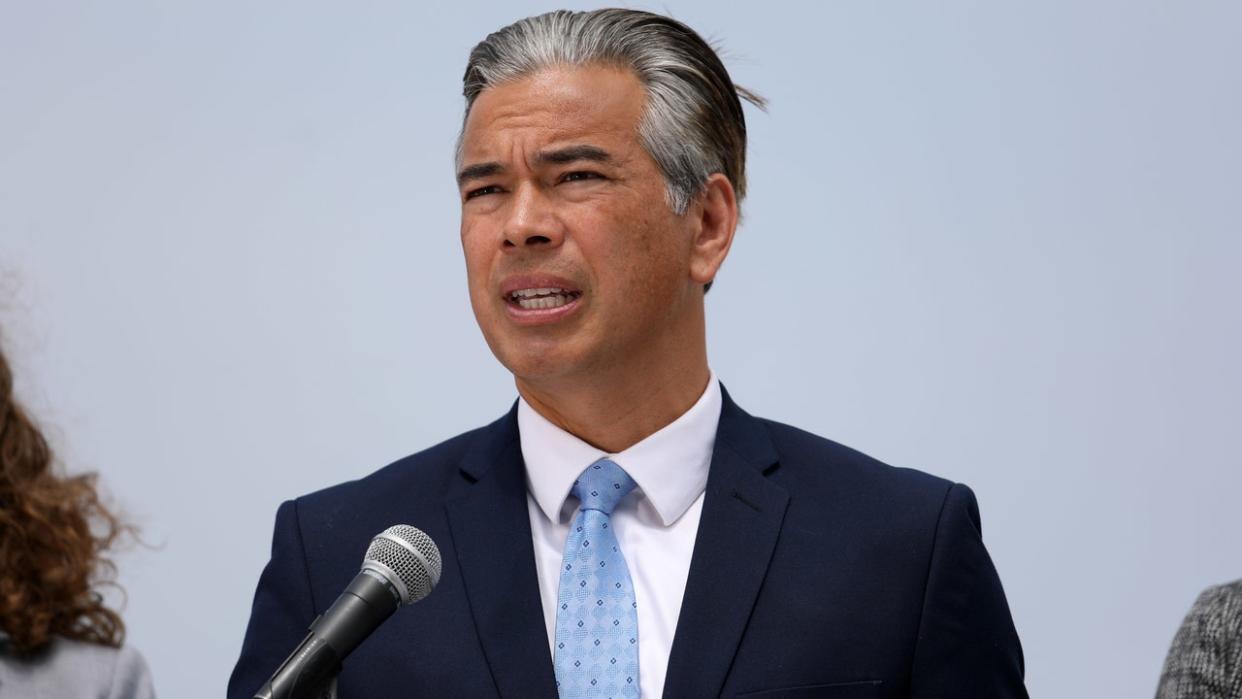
(535, 364)
(535, 368)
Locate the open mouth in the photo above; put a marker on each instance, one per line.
(542, 298)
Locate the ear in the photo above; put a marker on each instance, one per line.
(715, 211)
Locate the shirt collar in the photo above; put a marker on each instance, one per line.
(669, 466)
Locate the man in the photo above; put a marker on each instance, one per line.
(627, 528)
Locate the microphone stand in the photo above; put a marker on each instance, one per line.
(316, 666)
(325, 689)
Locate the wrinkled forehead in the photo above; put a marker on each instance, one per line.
(554, 104)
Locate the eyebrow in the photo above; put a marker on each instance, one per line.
(569, 154)
(478, 172)
(560, 156)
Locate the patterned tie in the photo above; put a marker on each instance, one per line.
(596, 615)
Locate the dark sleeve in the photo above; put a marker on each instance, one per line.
(283, 608)
(967, 644)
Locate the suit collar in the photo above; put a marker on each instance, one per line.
(742, 516)
(745, 435)
(496, 560)
(493, 441)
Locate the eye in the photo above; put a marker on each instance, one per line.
(581, 175)
(490, 189)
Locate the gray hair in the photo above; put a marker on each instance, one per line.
(692, 125)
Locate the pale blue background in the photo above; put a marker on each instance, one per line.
(997, 241)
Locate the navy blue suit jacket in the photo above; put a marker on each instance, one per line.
(817, 572)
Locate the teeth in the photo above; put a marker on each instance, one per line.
(542, 298)
(528, 293)
(554, 301)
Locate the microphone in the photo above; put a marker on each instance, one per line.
(401, 566)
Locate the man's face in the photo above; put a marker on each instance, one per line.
(576, 263)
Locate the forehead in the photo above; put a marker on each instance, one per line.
(554, 105)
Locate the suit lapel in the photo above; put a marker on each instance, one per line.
(742, 516)
(491, 535)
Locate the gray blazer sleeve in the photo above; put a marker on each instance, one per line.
(131, 678)
(1205, 660)
(76, 669)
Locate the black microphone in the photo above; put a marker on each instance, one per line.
(401, 566)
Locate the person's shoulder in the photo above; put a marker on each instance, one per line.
(1205, 647)
(425, 472)
(899, 514)
(1227, 594)
(69, 667)
(817, 458)
(1222, 604)
(122, 670)
(131, 677)
(1217, 614)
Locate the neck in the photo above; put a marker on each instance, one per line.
(616, 408)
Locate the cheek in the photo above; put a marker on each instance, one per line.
(662, 246)
(647, 263)
(478, 259)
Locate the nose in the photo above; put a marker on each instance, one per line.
(532, 221)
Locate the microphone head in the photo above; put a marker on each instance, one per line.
(408, 558)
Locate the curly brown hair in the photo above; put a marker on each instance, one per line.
(54, 531)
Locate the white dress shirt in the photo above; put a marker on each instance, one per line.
(656, 523)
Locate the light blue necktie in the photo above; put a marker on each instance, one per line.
(596, 614)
